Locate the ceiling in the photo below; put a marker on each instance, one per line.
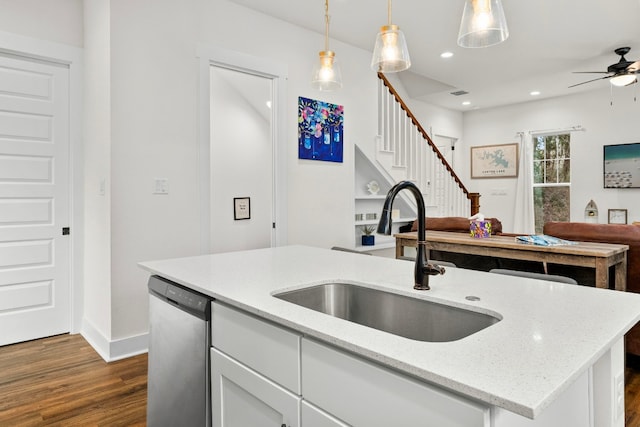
(549, 39)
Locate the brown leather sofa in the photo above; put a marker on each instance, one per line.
(603, 233)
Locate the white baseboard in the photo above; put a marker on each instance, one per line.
(114, 350)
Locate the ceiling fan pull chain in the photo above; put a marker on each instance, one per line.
(611, 95)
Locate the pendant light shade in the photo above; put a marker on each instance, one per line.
(390, 53)
(326, 74)
(483, 24)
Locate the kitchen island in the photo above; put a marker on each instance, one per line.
(556, 352)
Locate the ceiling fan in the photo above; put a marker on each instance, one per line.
(622, 73)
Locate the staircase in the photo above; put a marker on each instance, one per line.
(406, 152)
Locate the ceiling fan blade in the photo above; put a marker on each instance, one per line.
(590, 72)
(634, 68)
(589, 81)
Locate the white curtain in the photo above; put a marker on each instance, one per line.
(524, 217)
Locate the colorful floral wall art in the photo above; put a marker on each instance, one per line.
(320, 130)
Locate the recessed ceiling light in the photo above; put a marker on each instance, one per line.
(534, 93)
(446, 54)
(268, 104)
(466, 103)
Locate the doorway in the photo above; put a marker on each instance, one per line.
(242, 151)
(242, 161)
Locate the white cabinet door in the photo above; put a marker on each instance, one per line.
(315, 417)
(242, 397)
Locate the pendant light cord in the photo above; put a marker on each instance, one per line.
(389, 11)
(326, 25)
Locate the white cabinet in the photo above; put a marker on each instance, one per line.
(366, 394)
(242, 397)
(262, 346)
(315, 417)
(266, 375)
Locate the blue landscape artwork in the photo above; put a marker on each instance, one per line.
(320, 127)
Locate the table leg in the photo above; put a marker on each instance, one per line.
(399, 248)
(602, 273)
(621, 274)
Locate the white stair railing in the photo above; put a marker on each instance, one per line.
(415, 157)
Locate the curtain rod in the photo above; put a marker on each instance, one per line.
(577, 128)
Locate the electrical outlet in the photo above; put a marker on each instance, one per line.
(618, 394)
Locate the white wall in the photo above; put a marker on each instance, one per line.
(97, 157)
(53, 20)
(604, 124)
(154, 89)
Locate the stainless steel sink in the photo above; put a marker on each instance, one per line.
(412, 318)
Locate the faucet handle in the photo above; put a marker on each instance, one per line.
(433, 269)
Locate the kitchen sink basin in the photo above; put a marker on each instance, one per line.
(408, 317)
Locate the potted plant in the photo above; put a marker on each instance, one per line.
(368, 239)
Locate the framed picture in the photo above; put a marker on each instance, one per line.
(320, 130)
(620, 160)
(617, 216)
(494, 161)
(241, 208)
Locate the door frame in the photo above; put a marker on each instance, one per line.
(213, 56)
(72, 57)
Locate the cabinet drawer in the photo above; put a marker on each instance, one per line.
(365, 394)
(269, 349)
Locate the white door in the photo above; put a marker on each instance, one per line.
(34, 199)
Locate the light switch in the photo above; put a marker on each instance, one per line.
(161, 186)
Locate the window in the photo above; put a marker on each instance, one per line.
(551, 178)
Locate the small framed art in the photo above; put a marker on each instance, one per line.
(241, 208)
(617, 216)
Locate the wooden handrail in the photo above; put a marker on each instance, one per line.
(473, 197)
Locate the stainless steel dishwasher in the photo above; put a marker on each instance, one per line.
(178, 386)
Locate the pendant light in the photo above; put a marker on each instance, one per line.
(483, 24)
(326, 74)
(390, 54)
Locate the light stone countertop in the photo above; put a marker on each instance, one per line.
(550, 333)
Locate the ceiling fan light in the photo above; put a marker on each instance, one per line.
(483, 24)
(623, 80)
(326, 74)
(390, 54)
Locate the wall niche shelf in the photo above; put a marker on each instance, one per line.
(367, 203)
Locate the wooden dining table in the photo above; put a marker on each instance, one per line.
(599, 256)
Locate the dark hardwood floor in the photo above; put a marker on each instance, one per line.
(62, 381)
